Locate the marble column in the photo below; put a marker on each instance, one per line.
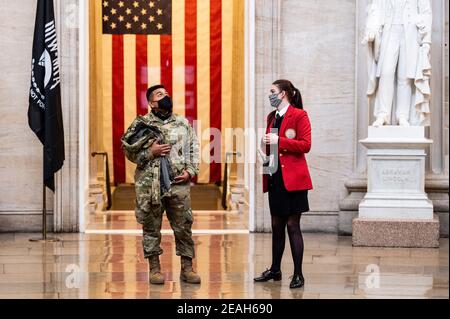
(66, 200)
(267, 44)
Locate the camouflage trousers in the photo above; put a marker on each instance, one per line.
(178, 210)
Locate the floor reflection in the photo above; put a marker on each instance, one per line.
(204, 220)
(113, 266)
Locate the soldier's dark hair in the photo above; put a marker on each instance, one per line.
(293, 94)
(152, 89)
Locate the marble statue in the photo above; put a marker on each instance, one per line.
(398, 41)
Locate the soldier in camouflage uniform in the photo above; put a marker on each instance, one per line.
(181, 148)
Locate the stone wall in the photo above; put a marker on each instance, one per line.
(20, 151)
(313, 46)
(318, 45)
(20, 166)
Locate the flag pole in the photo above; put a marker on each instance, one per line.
(44, 238)
(44, 213)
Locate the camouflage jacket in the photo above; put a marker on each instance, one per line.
(184, 155)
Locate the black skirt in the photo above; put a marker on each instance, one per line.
(285, 203)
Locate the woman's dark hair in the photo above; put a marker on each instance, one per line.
(293, 94)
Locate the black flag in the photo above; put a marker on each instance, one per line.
(44, 112)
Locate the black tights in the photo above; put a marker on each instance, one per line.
(279, 224)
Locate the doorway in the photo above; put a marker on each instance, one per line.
(212, 212)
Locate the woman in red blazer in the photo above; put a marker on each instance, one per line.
(287, 178)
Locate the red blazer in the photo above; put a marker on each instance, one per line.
(294, 143)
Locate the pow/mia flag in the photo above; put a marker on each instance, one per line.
(44, 112)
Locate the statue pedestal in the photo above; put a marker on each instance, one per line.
(396, 211)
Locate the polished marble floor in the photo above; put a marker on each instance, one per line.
(125, 222)
(112, 266)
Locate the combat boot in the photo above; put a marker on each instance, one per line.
(187, 273)
(155, 275)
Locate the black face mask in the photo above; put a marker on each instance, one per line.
(165, 104)
(165, 107)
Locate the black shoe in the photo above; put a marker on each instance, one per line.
(268, 275)
(297, 282)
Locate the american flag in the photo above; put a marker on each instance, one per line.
(187, 45)
(137, 17)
